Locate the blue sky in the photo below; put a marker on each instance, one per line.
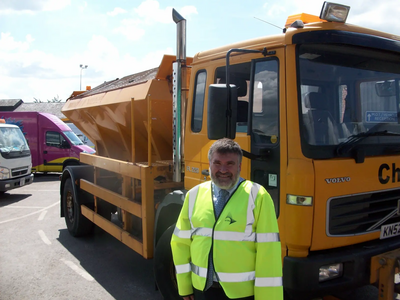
(43, 42)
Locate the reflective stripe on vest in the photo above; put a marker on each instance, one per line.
(183, 234)
(228, 235)
(180, 269)
(225, 277)
(267, 237)
(192, 200)
(268, 281)
(199, 271)
(247, 235)
(240, 277)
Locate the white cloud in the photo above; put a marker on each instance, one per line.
(150, 12)
(26, 72)
(8, 44)
(116, 11)
(131, 29)
(82, 7)
(31, 6)
(45, 75)
(379, 15)
(367, 13)
(51, 5)
(276, 10)
(187, 11)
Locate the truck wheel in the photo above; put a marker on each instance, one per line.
(77, 224)
(164, 269)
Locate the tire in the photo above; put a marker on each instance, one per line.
(77, 224)
(164, 269)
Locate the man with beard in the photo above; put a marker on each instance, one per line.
(226, 241)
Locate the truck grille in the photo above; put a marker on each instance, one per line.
(355, 214)
(19, 171)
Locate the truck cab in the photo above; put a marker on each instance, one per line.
(317, 115)
(15, 158)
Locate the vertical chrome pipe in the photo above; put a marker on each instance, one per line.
(179, 95)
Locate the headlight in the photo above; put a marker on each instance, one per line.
(329, 272)
(91, 152)
(4, 173)
(334, 12)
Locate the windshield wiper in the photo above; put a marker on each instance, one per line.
(348, 145)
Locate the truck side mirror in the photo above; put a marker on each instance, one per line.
(221, 123)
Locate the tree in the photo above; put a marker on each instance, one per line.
(55, 99)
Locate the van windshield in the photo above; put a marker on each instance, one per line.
(12, 140)
(349, 100)
(73, 138)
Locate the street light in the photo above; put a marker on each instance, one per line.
(80, 80)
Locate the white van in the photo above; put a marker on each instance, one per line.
(15, 158)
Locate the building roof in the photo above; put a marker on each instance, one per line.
(118, 83)
(47, 107)
(10, 104)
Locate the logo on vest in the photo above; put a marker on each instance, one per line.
(230, 220)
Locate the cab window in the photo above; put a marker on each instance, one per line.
(198, 101)
(54, 139)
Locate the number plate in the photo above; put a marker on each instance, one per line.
(22, 182)
(390, 230)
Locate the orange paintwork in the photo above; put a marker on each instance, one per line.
(117, 122)
(106, 119)
(306, 18)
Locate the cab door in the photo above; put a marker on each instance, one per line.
(264, 126)
(56, 149)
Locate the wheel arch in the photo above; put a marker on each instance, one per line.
(70, 162)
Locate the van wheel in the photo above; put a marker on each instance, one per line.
(77, 224)
(164, 269)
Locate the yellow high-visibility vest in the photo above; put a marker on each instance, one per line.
(244, 241)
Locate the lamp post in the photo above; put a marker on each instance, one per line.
(80, 79)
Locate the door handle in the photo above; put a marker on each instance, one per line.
(205, 172)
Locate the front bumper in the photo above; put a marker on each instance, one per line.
(301, 275)
(13, 183)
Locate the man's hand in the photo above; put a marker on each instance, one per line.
(191, 297)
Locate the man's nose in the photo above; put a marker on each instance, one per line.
(223, 169)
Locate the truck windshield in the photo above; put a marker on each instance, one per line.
(12, 140)
(73, 138)
(349, 100)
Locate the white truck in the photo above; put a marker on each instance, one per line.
(15, 158)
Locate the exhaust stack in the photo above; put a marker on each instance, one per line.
(179, 95)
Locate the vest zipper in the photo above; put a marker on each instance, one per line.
(213, 229)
